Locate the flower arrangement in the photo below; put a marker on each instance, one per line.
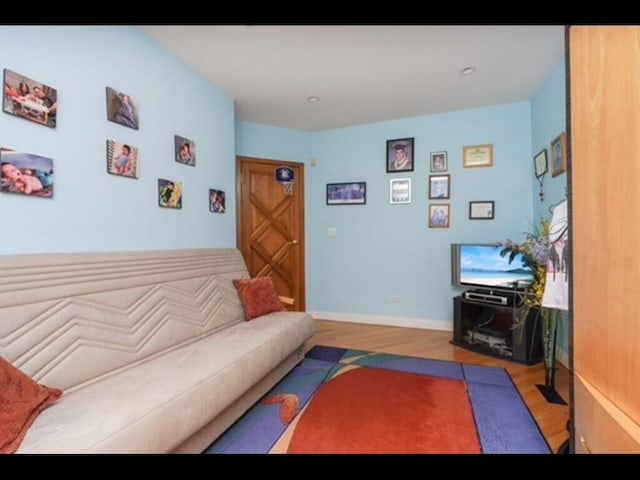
(535, 252)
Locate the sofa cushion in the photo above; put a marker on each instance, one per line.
(21, 400)
(258, 296)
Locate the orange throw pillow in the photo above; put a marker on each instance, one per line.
(258, 296)
(21, 401)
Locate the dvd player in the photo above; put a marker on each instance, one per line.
(487, 298)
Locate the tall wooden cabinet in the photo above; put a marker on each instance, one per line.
(604, 179)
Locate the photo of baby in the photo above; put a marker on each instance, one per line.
(185, 151)
(26, 174)
(122, 159)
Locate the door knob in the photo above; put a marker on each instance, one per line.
(293, 242)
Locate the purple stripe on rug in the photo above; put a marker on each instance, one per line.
(482, 374)
(424, 366)
(504, 423)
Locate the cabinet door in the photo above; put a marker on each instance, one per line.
(604, 173)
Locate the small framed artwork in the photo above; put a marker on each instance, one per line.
(400, 155)
(438, 162)
(169, 194)
(26, 174)
(121, 109)
(482, 210)
(185, 151)
(559, 155)
(400, 190)
(30, 99)
(217, 202)
(122, 159)
(439, 186)
(439, 215)
(477, 156)
(540, 164)
(348, 193)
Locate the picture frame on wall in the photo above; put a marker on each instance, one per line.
(477, 156)
(439, 186)
(26, 174)
(399, 191)
(29, 99)
(481, 210)
(559, 155)
(122, 159)
(185, 150)
(540, 163)
(122, 109)
(438, 162)
(400, 155)
(439, 214)
(169, 194)
(217, 202)
(347, 193)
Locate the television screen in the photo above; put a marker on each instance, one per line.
(482, 266)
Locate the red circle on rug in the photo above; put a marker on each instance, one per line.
(371, 410)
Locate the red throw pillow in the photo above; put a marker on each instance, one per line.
(21, 401)
(258, 296)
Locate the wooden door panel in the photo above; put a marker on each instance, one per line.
(271, 226)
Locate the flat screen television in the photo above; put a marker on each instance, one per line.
(479, 266)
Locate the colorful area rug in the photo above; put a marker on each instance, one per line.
(357, 402)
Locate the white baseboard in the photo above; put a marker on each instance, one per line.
(561, 356)
(384, 320)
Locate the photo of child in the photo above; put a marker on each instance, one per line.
(185, 151)
(169, 194)
(26, 174)
(122, 159)
(216, 201)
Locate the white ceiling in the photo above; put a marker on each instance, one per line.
(364, 73)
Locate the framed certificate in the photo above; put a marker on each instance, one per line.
(477, 156)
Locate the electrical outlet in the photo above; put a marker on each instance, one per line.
(332, 232)
(395, 298)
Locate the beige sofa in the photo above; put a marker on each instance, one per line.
(151, 348)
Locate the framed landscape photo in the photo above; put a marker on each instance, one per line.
(438, 162)
(185, 150)
(481, 210)
(439, 215)
(169, 194)
(400, 190)
(559, 155)
(29, 99)
(122, 159)
(477, 156)
(400, 155)
(121, 109)
(347, 193)
(26, 174)
(540, 163)
(439, 186)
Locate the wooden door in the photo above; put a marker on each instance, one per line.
(605, 142)
(271, 225)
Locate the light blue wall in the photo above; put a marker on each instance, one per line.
(95, 211)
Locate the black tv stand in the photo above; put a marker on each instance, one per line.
(489, 325)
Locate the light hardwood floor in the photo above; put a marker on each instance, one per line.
(552, 418)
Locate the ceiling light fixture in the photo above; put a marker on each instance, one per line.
(467, 70)
(312, 98)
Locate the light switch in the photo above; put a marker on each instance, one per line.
(332, 232)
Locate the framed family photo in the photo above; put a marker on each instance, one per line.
(559, 155)
(400, 191)
(438, 162)
(439, 215)
(29, 99)
(26, 174)
(169, 194)
(540, 163)
(217, 203)
(185, 151)
(122, 159)
(121, 109)
(439, 186)
(347, 193)
(400, 155)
